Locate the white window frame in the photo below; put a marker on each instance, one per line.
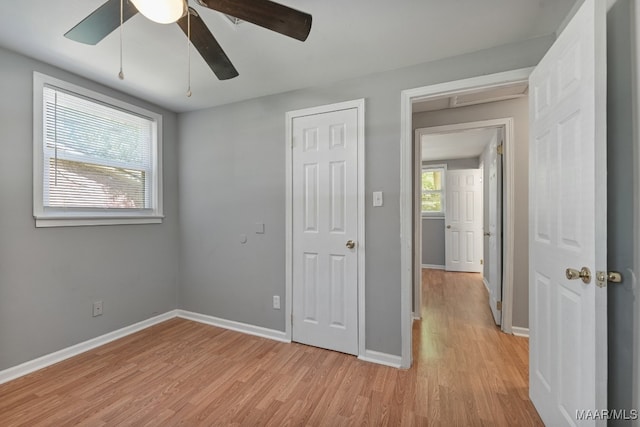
(443, 168)
(62, 217)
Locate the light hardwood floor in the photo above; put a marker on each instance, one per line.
(180, 372)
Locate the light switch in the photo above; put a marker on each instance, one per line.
(377, 198)
(259, 227)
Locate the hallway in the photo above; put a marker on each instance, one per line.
(468, 371)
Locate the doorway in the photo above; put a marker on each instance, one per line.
(465, 89)
(446, 150)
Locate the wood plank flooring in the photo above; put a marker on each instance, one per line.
(465, 373)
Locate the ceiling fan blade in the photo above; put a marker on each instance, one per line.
(208, 46)
(101, 22)
(267, 14)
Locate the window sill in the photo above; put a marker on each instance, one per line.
(88, 221)
(432, 216)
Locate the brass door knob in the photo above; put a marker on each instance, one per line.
(584, 274)
(351, 244)
(448, 226)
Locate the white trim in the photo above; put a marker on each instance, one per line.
(508, 221)
(406, 180)
(486, 284)
(81, 222)
(433, 266)
(417, 227)
(381, 358)
(520, 332)
(358, 104)
(66, 353)
(234, 326)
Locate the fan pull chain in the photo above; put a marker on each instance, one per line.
(188, 53)
(121, 73)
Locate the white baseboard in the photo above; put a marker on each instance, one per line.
(381, 358)
(434, 266)
(520, 332)
(66, 353)
(234, 326)
(58, 356)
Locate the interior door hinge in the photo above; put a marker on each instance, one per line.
(500, 149)
(499, 305)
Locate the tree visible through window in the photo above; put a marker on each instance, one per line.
(433, 190)
(99, 158)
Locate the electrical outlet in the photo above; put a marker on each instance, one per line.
(97, 308)
(276, 302)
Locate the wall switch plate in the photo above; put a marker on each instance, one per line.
(276, 302)
(377, 198)
(97, 308)
(259, 227)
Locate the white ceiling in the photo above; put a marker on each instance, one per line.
(456, 145)
(348, 38)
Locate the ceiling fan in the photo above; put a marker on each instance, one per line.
(265, 13)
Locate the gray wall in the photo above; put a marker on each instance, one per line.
(433, 228)
(232, 174)
(519, 110)
(50, 276)
(620, 205)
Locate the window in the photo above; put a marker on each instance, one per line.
(96, 159)
(433, 190)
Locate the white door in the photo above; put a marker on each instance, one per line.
(463, 220)
(325, 227)
(567, 223)
(495, 231)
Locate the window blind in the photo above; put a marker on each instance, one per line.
(96, 156)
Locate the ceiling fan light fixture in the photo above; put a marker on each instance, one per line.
(161, 11)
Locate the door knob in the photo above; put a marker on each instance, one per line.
(448, 226)
(584, 274)
(351, 244)
(487, 234)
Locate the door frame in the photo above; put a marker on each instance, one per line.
(507, 126)
(408, 96)
(359, 105)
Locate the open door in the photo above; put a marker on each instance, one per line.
(495, 230)
(567, 224)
